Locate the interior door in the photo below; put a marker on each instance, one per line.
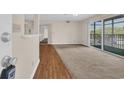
(5, 36)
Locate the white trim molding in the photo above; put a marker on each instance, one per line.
(34, 70)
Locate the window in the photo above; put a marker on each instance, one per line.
(118, 34)
(98, 31)
(91, 28)
(114, 35)
(95, 34)
(108, 33)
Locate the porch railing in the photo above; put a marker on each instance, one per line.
(112, 40)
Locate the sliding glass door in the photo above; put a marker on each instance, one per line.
(95, 34)
(108, 38)
(92, 33)
(98, 31)
(114, 35)
(118, 33)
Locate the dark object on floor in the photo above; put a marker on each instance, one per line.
(8, 73)
(44, 40)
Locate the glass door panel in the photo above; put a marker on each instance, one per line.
(114, 35)
(118, 34)
(107, 34)
(91, 29)
(98, 31)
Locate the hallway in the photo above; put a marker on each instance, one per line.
(50, 66)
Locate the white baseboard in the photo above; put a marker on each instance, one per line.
(34, 70)
(22, 76)
(64, 43)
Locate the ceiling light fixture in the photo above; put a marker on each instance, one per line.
(72, 14)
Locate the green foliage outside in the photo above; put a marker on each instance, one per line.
(108, 30)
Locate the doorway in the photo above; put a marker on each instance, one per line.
(44, 34)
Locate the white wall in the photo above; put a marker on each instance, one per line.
(26, 49)
(46, 32)
(84, 32)
(5, 26)
(65, 33)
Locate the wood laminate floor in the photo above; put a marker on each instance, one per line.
(51, 65)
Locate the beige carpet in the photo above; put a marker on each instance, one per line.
(89, 63)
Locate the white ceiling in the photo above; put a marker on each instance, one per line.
(29, 16)
(64, 17)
